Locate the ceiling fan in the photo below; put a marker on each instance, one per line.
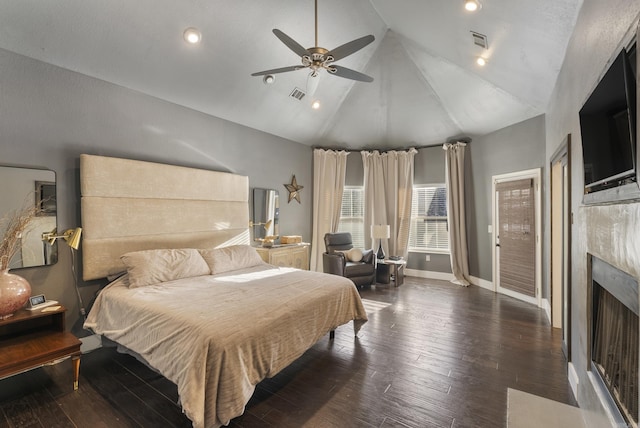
(317, 58)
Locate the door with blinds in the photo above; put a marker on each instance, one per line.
(516, 224)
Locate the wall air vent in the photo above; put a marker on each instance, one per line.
(297, 93)
(480, 40)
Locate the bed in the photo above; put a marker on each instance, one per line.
(192, 299)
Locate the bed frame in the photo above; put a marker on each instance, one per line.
(130, 205)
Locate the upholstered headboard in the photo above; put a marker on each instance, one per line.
(130, 205)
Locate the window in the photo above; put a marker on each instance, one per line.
(429, 230)
(352, 214)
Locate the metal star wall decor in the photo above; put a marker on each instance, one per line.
(294, 190)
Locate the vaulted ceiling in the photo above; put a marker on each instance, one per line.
(426, 89)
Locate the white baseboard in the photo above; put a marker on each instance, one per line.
(429, 274)
(573, 379)
(483, 283)
(445, 276)
(89, 343)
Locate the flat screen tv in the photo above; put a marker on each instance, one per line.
(608, 127)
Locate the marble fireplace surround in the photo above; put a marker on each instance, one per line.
(617, 315)
(612, 234)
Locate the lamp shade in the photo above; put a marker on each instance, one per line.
(380, 231)
(73, 239)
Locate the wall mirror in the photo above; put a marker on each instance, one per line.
(22, 186)
(266, 210)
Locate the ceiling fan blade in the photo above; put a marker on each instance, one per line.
(278, 70)
(348, 73)
(351, 47)
(291, 44)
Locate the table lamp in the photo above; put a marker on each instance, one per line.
(380, 232)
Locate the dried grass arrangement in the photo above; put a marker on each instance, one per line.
(15, 224)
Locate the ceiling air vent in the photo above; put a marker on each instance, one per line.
(480, 40)
(297, 93)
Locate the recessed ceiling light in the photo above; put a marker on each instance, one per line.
(315, 105)
(472, 5)
(481, 61)
(268, 79)
(192, 35)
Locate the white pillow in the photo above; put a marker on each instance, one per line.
(351, 255)
(230, 258)
(155, 266)
(355, 255)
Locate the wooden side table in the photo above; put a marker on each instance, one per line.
(31, 339)
(387, 268)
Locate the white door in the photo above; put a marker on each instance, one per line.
(516, 226)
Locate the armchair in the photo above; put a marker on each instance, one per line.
(334, 261)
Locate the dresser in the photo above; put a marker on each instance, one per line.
(289, 255)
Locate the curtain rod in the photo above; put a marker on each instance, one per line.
(450, 140)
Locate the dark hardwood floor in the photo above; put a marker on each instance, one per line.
(433, 354)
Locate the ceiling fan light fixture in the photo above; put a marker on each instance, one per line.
(192, 36)
(472, 5)
(313, 79)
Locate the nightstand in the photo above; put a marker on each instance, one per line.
(31, 339)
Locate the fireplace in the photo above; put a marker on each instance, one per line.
(615, 337)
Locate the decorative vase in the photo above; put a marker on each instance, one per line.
(14, 293)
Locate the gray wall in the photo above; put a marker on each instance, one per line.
(354, 176)
(515, 148)
(607, 231)
(49, 116)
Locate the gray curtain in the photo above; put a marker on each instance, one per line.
(388, 189)
(329, 168)
(455, 180)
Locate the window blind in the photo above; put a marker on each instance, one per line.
(352, 214)
(429, 230)
(517, 234)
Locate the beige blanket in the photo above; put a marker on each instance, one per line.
(217, 336)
